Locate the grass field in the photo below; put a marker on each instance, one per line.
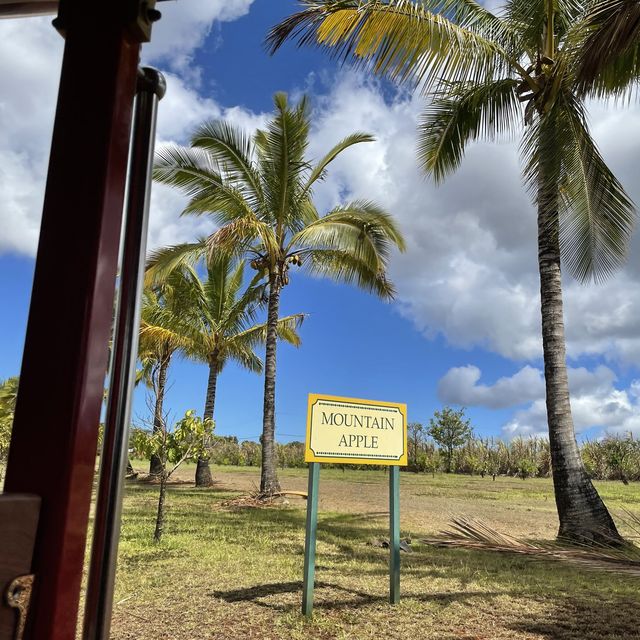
(229, 573)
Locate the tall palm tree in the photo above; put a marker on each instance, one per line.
(259, 190)
(226, 329)
(487, 75)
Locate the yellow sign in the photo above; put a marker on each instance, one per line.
(353, 431)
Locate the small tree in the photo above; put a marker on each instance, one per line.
(415, 436)
(429, 460)
(251, 453)
(619, 456)
(450, 430)
(493, 457)
(188, 440)
(527, 468)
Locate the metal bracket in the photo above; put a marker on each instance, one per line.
(18, 596)
(139, 22)
(138, 17)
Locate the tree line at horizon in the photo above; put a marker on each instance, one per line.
(614, 457)
(447, 444)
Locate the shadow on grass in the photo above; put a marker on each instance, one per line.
(355, 596)
(563, 619)
(583, 620)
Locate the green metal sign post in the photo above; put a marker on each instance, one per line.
(394, 535)
(310, 539)
(311, 535)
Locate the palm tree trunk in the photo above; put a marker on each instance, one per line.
(203, 470)
(269, 478)
(155, 464)
(157, 535)
(582, 514)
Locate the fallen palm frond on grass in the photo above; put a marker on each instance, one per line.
(470, 533)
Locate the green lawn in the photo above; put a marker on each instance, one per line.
(236, 573)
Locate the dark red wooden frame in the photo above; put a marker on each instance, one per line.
(55, 432)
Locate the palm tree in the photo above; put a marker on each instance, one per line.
(259, 191)
(226, 329)
(168, 324)
(488, 75)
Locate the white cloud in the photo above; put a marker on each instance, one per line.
(595, 400)
(182, 109)
(460, 386)
(184, 26)
(30, 54)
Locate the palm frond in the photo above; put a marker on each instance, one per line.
(163, 261)
(189, 170)
(232, 150)
(609, 55)
(320, 170)
(241, 311)
(462, 113)
(343, 266)
(234, 283)
(530, 19)
(287, 330)
(244, 356)
(471, 533)
(597, 216)
(400, 39)
(236, 236)
(360, 228)
(282, 163)
(196, 173)
(216, 287)
(564, 169)
(224, 203)
(472, 15)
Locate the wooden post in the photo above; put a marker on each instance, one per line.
(394, 534)
(310, 540)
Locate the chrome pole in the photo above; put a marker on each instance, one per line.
(113, 459)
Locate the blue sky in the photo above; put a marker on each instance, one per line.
(465, 326)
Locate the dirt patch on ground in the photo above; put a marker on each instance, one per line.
(427, 505)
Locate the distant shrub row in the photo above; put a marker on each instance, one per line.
(612, 458)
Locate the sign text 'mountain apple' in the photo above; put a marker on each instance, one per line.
(353, 431)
